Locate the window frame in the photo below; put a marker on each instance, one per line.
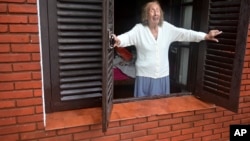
(46, 78)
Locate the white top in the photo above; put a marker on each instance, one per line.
(152, 54)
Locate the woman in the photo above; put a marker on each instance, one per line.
(152, 39)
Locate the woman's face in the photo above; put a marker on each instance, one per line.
(154, 14)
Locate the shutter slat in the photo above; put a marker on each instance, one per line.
(225, 54)
(79, 47)
(218, 70)
(217, 81)
(80, 79)
(223, 3)
(94, 54)
(80, 60)
(78, 97)
(217, 75)
(74, 73)
(79, 40)
(85, 91)
(80, 66)
(219, 64)
(222, 47)
(78, 85)
(82, 34)
(79, 6)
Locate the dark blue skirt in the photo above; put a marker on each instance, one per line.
(146, 86)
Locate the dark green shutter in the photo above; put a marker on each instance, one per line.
(220, 75)
(76, 47)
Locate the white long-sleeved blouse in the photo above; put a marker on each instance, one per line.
(152, 54)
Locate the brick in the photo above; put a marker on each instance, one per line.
(6, 86)
(38, 93)
(29, 102)
(203, 122)
(183, 114)
(13, 19)
(182, 126)
(58, 138)
(30, 118)
(133, 121)
(5, 67)
(228, 123)
(213, 126)
(36, 56)
(10, 137)
(36, 75)
(146, 138)
(38, 109)
(213, 115)
(4, 28)
(40, 126)
(3, 8)
(72, 130)
(4, 48)
(159, 117)
(7, 58)
(22, 8)
(88, 135)
(203, 133)
(107, 138)
(37, 135)
(223, 119)
(193, 118)
(134, 134)
(33, 19)
(15, 76)
(182, 137)
(13, 1)
(34, 38)
(157, 130)
(118, 130)
(28, 85)
(17, 112)
(221, 130)
(211, 110)
(146, 125)
(170, 121)
(7, 121)
(25, 48)
(31, 66)
(16, 94)
(213, 137)
(191, 130)
(169, 134)
(17, 128)
(31, 1)
(7, 104)
(23, 28)
(14, 38)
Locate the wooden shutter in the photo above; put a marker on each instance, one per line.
(219, 77)
(76, 45)
(108, 26)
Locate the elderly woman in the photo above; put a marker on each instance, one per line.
(152, 39)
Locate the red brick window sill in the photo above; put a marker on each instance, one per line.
(125, 111)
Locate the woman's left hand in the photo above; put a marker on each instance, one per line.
(212, 34)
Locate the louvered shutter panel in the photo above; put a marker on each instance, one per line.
(76, 53)
(108, 55)
(220, 76)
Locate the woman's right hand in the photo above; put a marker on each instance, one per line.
(116, 40)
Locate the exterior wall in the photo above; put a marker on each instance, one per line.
(21, 110)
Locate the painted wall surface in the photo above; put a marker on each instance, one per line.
(21, 108)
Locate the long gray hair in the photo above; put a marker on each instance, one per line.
(145, 9)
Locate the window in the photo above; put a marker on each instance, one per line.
(77, 60)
